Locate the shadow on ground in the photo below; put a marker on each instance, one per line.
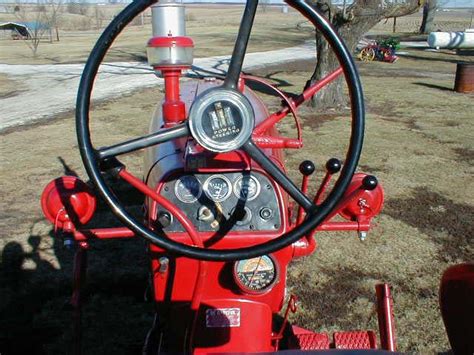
(433, 213)
(36, 315)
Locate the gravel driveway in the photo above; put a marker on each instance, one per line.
(48, 90)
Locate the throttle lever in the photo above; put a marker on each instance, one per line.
(333, 166)
(306, 169)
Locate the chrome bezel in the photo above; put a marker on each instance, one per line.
(266, 288)
(176, 189)
(214, 95)
(237, 193)
(206, 187)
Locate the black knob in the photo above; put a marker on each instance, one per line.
(369, 182)
(333, 166)
(307, 167)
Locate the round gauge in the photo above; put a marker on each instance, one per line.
(218, 188)
(256, 275)
(187, 189)
(246, 188)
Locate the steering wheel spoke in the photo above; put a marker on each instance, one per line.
(240, 47)
(162, 136)
(280, 177)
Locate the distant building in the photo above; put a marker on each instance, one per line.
(23, 29)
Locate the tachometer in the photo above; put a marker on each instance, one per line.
(187, 189)
(218, 188)
(256, 275)
(246, 188)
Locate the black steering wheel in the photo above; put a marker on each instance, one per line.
(93, 158)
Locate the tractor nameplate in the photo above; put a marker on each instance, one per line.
(222, 317)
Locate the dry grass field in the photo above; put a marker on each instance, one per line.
(213, 32)
(419, 143)
(213, 35)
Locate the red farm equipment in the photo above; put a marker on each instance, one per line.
(219, 221)
(383, 51)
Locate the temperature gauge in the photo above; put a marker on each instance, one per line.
(256, 275)
(246, 188)
(218, 188)
(187, 189)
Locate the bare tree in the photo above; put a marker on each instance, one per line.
(99, 16)
(78, 7)
(352, 22)
(429, 11)
(264, 5)
(36, 20)
(53, 15)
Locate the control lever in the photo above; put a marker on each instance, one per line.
(306, 169)
(333, 166)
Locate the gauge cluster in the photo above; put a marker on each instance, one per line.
(231, 201)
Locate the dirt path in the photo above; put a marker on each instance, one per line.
(48, 90)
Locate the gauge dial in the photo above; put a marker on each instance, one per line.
(187, 189)
(218, 188)
(246, 188)
(256, 275)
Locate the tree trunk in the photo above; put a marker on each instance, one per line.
(351, 23)
(429, 11)
(333, 95)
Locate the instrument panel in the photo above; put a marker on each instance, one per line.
(230, 202)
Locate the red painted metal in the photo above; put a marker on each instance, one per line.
(277, 142)
(174, 109)
(456, 300)
(358, 203)
(68, 200)
(355, 340)
(228, 324)
(292, 105)
(322, 188)
(290, 307)
(303, 339)
(175, 211)
(316, 87)
(207, 311)
(271, 121)
(103, 233)
(176, 41)
(304, 189)
(196, 239)
(368, 203)
(385, 317)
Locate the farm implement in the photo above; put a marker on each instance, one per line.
(383, 51)
(222, 220)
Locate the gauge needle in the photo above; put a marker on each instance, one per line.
(255, 271)
(219, 191)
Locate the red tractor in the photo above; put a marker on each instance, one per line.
(219, 216)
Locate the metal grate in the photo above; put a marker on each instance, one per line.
(312, 341)
(355, 340)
